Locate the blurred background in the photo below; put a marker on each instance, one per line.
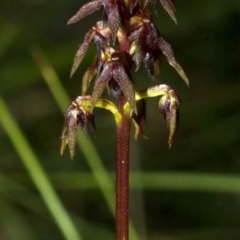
(190, 191)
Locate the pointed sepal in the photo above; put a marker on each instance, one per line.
(85, 10)
(169, 7)
(82, 50)
(167, 50)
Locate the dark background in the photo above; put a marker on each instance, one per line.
(206, 44)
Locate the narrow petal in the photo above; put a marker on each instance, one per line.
(150, 64)
(71, 119)
(139, 54)
(169, 107)
(64, 138)
(82, 51)
(85, 10)
(169, 8)
(113, 16)
(101, 83)
(136, 47)
(88, 76)
(166, 49)
(139, 119)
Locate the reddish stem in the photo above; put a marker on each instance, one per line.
(122, 173)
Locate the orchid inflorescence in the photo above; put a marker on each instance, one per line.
(125, 37)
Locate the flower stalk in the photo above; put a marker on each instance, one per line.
(122, 171)
(125, 37)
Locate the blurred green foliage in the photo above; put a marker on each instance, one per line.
(188, 192)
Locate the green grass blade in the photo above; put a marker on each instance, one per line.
(201, 182)
(150, 181)
(37, 174)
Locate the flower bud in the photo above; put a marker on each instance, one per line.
(169, 107)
